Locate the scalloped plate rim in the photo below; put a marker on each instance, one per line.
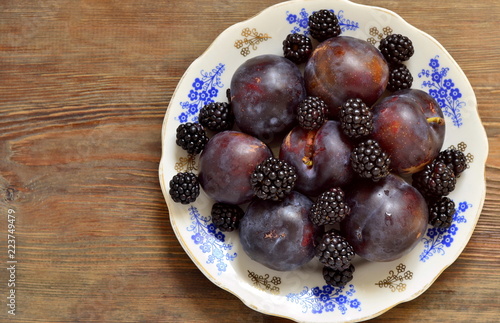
(481, 159)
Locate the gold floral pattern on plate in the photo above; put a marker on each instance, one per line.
(377, 35)
(186, 164)
(250, 41)
(395, 280)
(263, 282)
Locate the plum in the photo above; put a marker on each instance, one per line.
(343, 68)
(226, 165)
(279, 235)
(321, 157)
(409, 125)
(265, 91)
(387, 219)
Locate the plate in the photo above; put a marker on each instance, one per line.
(301, 295)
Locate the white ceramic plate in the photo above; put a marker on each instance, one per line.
(301, 295)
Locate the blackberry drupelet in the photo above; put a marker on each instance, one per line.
(338, 278)
(334, 251)
(297, 48)
(329, 207)
(435, 180)
(184, 188)
(396, 48)
(323, 24)
(454, 159)
(311, 113)
(356, 118)
(216, 116)
(191, 137)
(273, 179)
(400, 78)
(441, 212)
(226, 217)
(369, 160)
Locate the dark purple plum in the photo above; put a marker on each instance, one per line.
(279, 235)
(321, 157)
(265, 91)
(387, 220)
(343, 68)
(226, 165)
(409, 125)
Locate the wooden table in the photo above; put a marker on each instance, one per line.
(84, 86)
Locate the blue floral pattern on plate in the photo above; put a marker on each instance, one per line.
(203, 91)
(301, 22)
(325, 299)
(437, 239)
(443, 90)
(210, 240)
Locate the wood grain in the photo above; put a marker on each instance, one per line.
(84, 86)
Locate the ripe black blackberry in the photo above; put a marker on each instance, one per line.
(191, 137)
(226, 217)
(454, 159)
(323, 24)
(311, 113)
(273, 179)
(369, 160)
(329, 207)
(184, 188)
(396, 48)
(435, 180)
(441, 212)
(356, 118)
(338, 278)
(400, 78)
(334, 251)
(297, 48)
(216, 116)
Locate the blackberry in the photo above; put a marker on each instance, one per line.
(338, 278)
(311, 113)
(191, 137)
(216, 116)
(396, 48)
(226, 217)
(454, 159)
(297, 48)
(334, 251)
(441, 212)
(435, 180)
(400, 78)
(184, 188)
(369, 161)
(273, 179)
(356, 118)
(329, 207)
(323, 24)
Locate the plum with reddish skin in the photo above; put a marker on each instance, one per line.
(387, 219)
(265, 91)
(321, 157)
(226, 165)
(279, 235)
(409, 125)
(343, 68)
